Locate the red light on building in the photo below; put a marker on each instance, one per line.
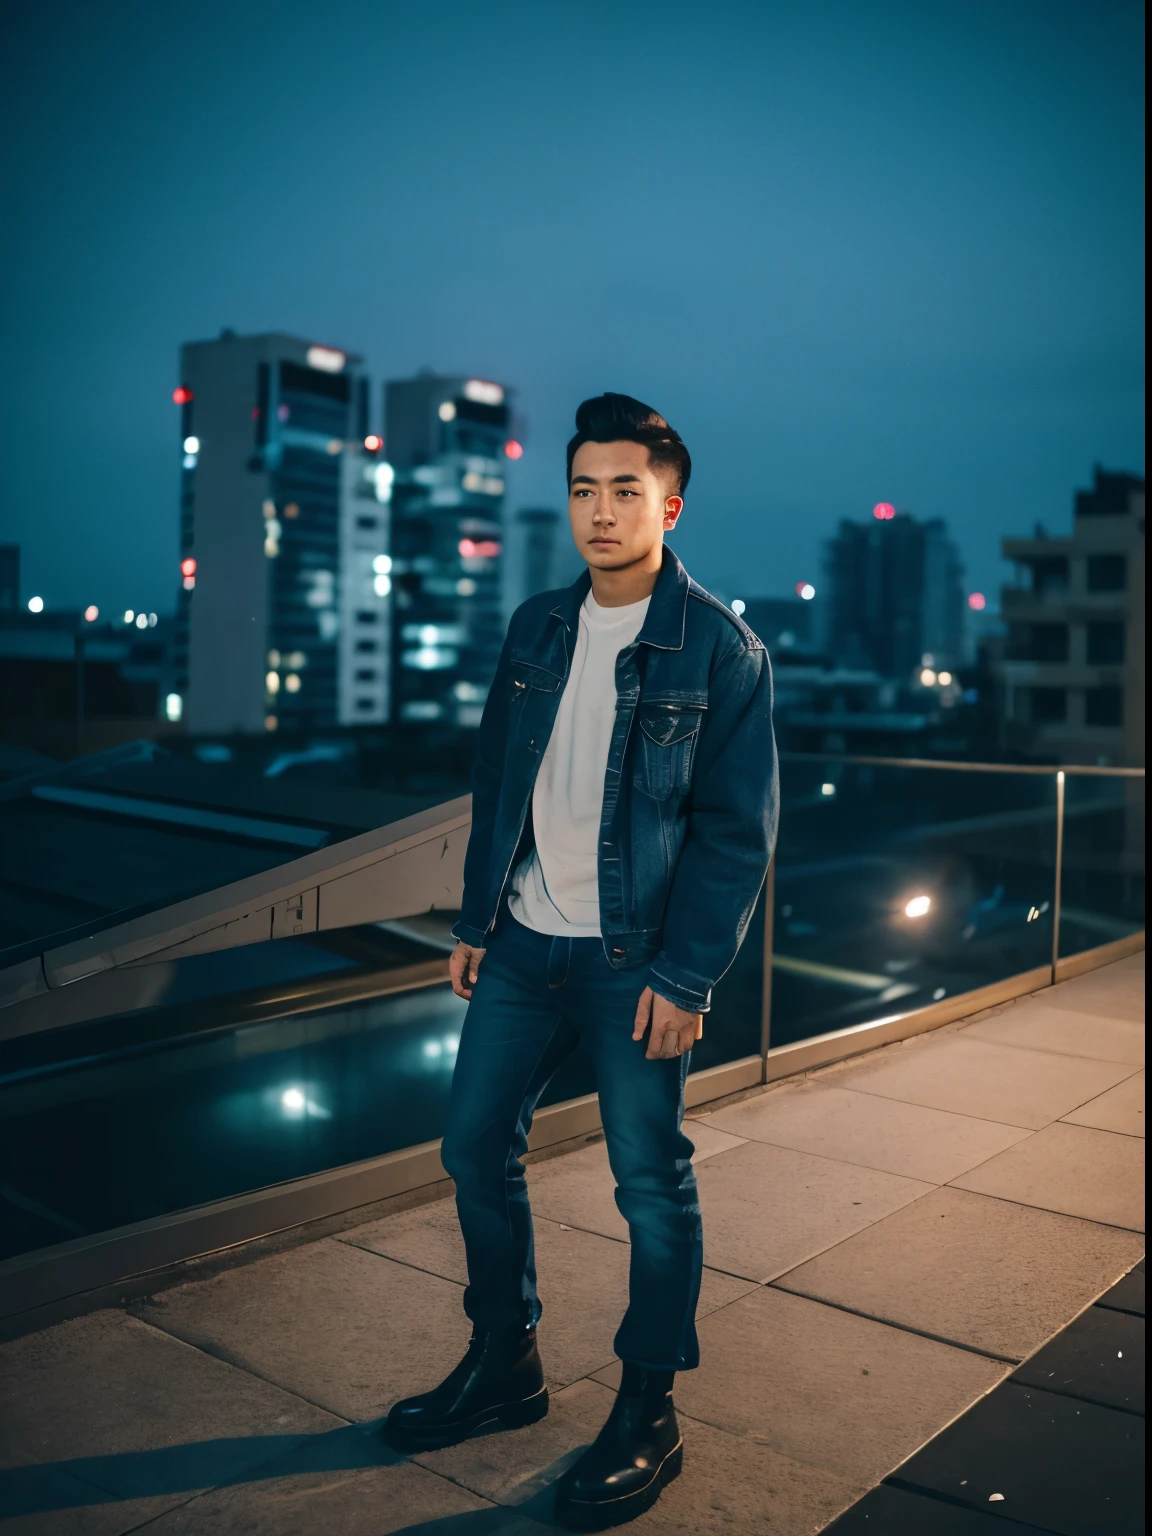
(977, 601)
(91, 613)
(883, 511)
(373, 443)
(188, 567)
(182, 396)
(480, 549)
(513, 449)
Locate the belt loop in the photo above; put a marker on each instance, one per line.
(559, 958)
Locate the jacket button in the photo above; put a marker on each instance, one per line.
(532, 743)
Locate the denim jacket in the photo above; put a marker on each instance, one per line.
(691, 793)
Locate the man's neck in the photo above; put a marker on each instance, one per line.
(630, 584)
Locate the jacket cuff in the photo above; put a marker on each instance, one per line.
(682, 988)
(469, 935)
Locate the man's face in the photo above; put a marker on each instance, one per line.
(619, 508)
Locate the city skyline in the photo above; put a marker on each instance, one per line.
(892, 258)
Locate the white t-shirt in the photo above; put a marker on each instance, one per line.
(556, 888)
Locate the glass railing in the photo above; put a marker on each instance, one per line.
(895, 885)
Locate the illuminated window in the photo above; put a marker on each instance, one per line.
(173, 707)
(327, 359)
(483, 392)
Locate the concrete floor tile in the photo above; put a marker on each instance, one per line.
(982, 1272)
(1121, 1109)
(1035, 1026)
(927, 1144)
(344, 1328)
(1070, 1168)
(990, 1082)
(105, 1406)
(767, 1208)
(730, 1486)
(1115, 991)
(39, 1500)
(707, 1138)
(827, 1389)
(428, 1238)
(373, 1502)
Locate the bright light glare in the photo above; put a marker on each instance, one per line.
(452, 1044)
(129, 615)
(91, 613)
(188, 566)
(384, 475)
(382, 564)
(483, 392)
(327, 359)
(447, 411)
(433, 1049)
(191, 445)
(513, 449)
(272, 682)
(35, 605)
(373, 443)
(827, 789)
(173, 706)
(738, 606)
(141, 621)
(928, 677)
(292, 683)
(883, 511)
(944, 679)
(182, 395)
(806, 590)
(381, 585)
(977, 601)
(293, 1100)
(919, 906)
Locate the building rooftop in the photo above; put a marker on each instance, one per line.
(887, 1239)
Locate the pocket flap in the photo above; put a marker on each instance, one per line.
(666, 724)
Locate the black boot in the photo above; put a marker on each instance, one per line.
(500, 1377)
(639, 1449)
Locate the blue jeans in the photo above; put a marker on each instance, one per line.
(534, 998)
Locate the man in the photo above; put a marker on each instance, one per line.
(623, 815)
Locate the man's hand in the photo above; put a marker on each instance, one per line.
(463, 967)
(673, 1030)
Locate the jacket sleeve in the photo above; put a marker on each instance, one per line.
(731, 833)
(487, 775)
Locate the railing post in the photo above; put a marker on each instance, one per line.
(766, 988)
(1059, 873)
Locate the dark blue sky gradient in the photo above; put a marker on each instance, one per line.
(854, 252)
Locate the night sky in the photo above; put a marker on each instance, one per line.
(853, 251)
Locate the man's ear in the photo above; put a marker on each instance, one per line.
(673, 506)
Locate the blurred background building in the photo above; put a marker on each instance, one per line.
(1071, 681)
(280, 622)
(448, 441)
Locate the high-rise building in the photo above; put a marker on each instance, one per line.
(538, 528)
(1071, 680)
(893, 598)
(447, 439)
(284, 587)
(783, 623)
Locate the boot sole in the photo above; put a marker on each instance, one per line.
(582, 1516)
(518, 1415)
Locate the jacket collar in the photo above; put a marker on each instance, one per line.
(663, 623)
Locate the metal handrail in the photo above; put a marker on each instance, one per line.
(956, 765)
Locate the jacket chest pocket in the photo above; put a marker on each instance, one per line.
(526, 682)
(666, 747)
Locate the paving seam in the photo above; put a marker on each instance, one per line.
(935, 1497)
(1091, 1221)
(1071, 1397)
(887, 1322)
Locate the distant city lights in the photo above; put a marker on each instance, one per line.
(483, 393)
(272, 682)
(173, 706)
(188, 566)
(883, 511)
(129, 615)
(373, 443)
(182, 395)
(382, 585)
(447, 411)
(828, 790)
(919, 906)
(327, 359)
(806, 590)
(977, 602)
(928, 678)
(191, 445)
(35, 605)
(513, 449)
(91, 613)
(384, 475)
(292, 683)
(382, 564)
(738, 606)
(479, 549)
(944, 679)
